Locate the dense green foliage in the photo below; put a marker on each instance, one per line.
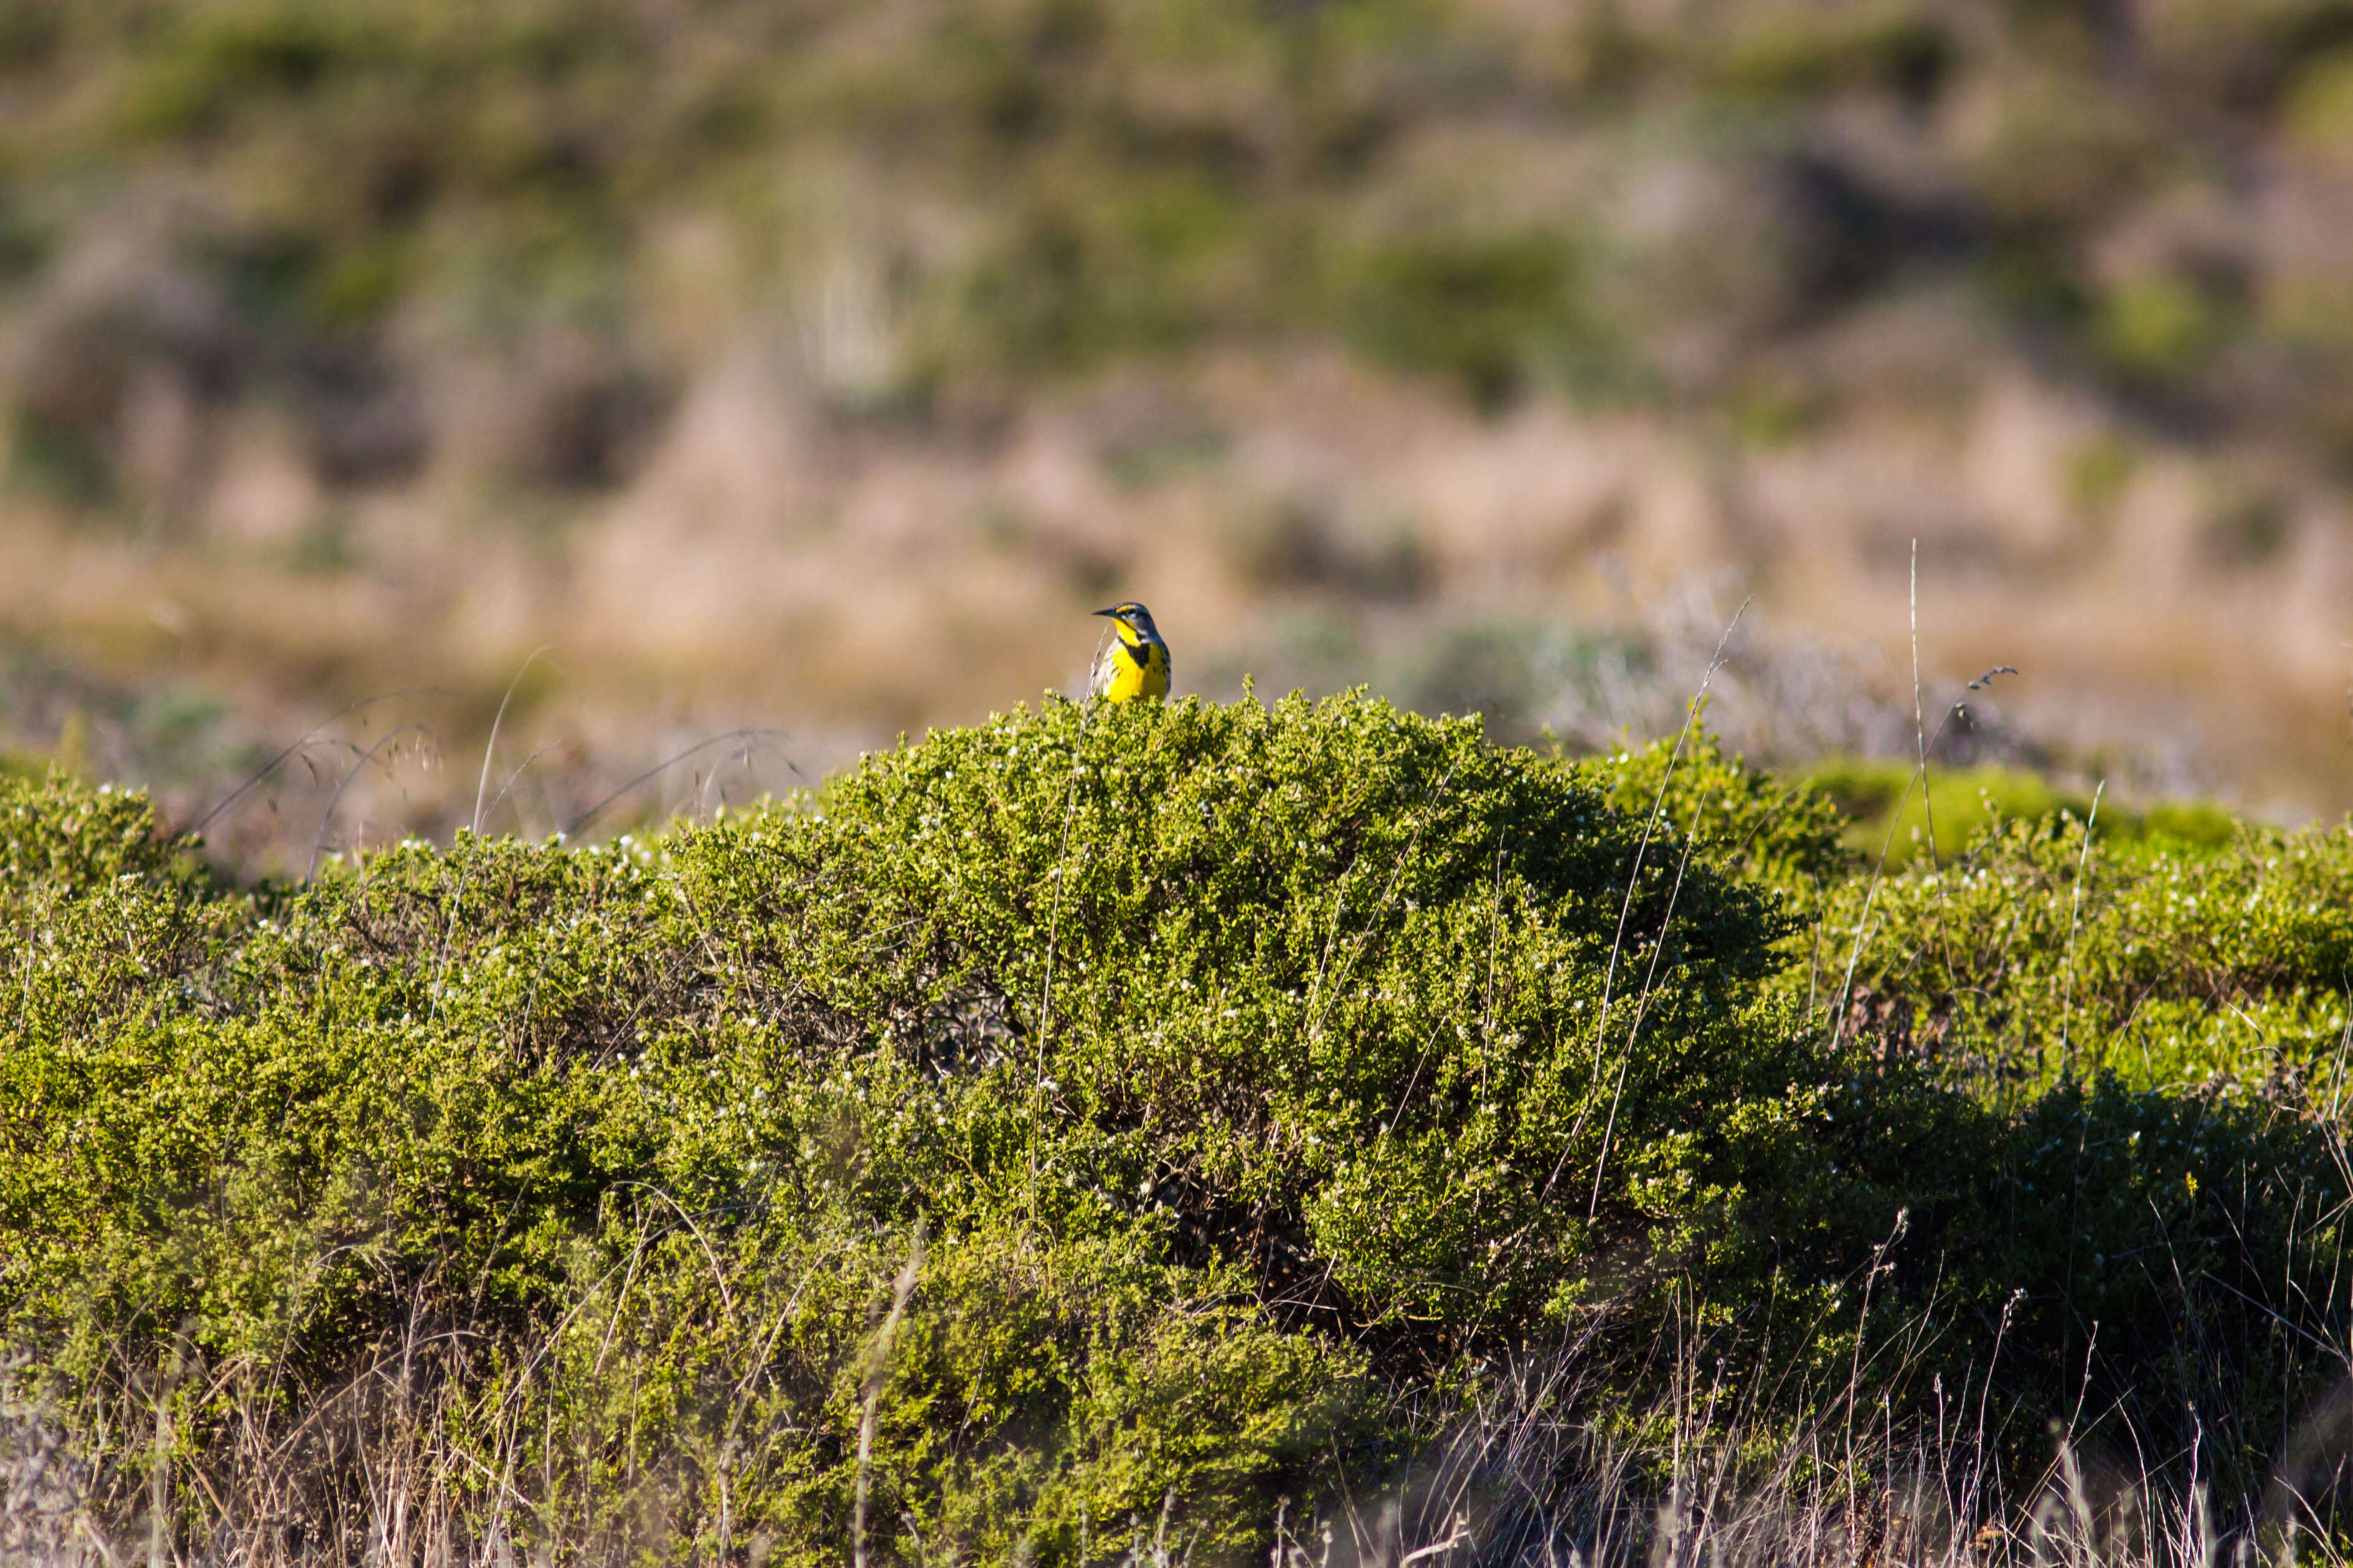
(1110, 1110)
(2165, 961)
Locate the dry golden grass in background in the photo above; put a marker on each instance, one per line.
(779, 567)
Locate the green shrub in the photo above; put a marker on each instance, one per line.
(1103, 1113)
(1303, 972)
(2161, 958)
(1749, 822)
(1294, 1016)
(2135, 1239)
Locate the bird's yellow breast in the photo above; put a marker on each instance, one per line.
(1138, 669)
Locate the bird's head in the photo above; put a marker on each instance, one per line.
(1135, 622)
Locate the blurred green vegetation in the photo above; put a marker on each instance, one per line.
(2184, 953)
(1028, 188)
(1888, 814)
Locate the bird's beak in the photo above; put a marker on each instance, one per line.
(1112, 611)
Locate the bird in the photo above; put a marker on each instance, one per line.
(1137, 665)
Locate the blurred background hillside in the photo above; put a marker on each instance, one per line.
(782, 376)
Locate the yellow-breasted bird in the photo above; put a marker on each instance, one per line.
(1137, 665)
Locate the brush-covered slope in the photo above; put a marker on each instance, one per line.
(1091, 1114)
